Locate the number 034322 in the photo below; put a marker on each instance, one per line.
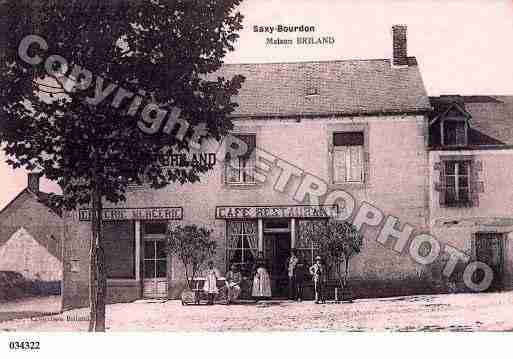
(24, 345)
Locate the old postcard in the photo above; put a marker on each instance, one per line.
(255, 166)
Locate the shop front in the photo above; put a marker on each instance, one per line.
(272, 231)
(136, 260)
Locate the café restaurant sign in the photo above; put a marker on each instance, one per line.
(127, 214)
(231, 212)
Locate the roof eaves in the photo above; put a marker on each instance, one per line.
(329, 114)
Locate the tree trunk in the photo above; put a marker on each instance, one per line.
(98, 284)
(346, 271)
(339, 274)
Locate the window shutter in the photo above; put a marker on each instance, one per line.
(442, 185)
(232, 170)
(356, 164)
(366, 166)
(478, 165)
(476, 186)
(479, 187)
(339, 164)
(474, 198)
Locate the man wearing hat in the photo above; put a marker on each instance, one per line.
(318, 272)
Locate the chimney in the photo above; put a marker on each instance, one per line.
(400, 45)
(33, 182)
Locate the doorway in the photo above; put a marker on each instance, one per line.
(489, 249)
(277, 250)
(154, 261)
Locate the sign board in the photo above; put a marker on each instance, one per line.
(238, 212)
(128, 214)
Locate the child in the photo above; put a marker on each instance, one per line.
(210, 286)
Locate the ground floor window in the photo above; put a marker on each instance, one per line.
(307, 245)
(119, 248)
(242, 242)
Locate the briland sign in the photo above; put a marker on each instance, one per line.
(233, 212)
(128, 214)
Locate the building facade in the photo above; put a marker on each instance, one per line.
(361, 126)
(471, 201)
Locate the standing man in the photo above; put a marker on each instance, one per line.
(291, 271)
(300, 274)
(318, 272)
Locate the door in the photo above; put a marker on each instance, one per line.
(489, 250)
(277, 250)
(155, 268)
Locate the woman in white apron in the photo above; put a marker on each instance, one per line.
(261, 281)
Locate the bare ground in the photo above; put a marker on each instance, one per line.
(455, 312)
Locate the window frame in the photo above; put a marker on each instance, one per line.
(245, 166)
(474, 185)
(242, 235)
(443, 131)
(348, 157)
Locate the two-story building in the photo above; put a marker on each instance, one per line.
(361, 126)
(471, 198)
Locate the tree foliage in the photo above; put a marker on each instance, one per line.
(193, 246)
(337, 242)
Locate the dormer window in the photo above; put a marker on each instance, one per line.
(450, 123)
(454, 132)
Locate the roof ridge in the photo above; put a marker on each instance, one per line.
(305, 62)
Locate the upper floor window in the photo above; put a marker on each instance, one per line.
(241, 169)
(460, 184)
(457, 183)
(454, 132)
(348, 157)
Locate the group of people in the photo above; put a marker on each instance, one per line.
(296, 272)
(261, 286)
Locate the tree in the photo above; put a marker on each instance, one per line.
(337, 242)
(97, 95)
(342, 242)
(193, 246)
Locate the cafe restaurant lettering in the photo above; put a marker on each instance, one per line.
(225, 212)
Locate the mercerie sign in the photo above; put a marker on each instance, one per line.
(127, 214)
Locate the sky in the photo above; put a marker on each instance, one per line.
(463, 47)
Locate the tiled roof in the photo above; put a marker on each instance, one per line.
(50, 200)
(492, 118)
(347, 88)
